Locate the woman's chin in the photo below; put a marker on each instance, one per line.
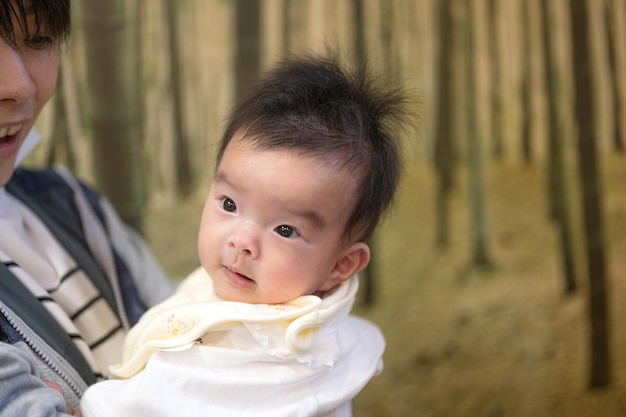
(7, 167)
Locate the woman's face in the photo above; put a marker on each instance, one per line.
(28, 77)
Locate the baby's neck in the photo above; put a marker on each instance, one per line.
(324, 294)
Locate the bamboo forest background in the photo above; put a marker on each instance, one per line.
(498, 280)
(178, 66)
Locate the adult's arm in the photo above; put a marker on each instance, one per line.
(150, 280)
(152, 283)
(22, 390)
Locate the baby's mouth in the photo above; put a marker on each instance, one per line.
(238, 274)
(238, 278)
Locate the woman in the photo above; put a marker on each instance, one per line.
(73, 277)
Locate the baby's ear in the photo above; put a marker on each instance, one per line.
(353, 259)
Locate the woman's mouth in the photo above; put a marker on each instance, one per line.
(9, 140)
(7, 132)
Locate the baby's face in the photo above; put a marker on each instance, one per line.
(272, 226)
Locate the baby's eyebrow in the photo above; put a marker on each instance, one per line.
(221, 178)
(309, 215)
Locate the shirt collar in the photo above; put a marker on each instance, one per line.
(32, 139)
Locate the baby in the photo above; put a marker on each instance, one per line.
(307, 165)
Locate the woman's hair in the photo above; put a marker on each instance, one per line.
(313, 106)
(51, 17)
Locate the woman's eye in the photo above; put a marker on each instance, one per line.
(39, 42)
(228, 205)
(287, 231)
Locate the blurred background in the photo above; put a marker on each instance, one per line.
(498, 277)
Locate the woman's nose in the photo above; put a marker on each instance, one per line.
(245, 239)
(16, 83)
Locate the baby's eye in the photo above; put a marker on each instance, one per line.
(286, 231)
(228, 205)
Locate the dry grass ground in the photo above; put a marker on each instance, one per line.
(496, 342)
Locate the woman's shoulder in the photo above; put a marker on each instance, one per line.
(36, 179)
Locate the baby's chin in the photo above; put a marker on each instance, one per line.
(234, 296)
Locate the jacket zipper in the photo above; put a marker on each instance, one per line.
(40, 351)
